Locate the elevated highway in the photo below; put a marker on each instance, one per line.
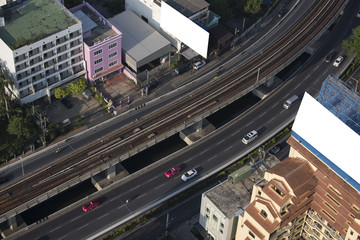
(170, 119)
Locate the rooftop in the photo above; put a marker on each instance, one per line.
(100, 30)
(33, 20)
(188, 7)
(229, 198)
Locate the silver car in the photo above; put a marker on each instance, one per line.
(189, 175)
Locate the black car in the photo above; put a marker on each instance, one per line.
(330, 57)
(66, 103)
(275, 150)
(4, 179)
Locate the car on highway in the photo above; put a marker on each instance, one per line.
(274, 150)
(91, 205)
(199, 64)
(219, 70)
(189, 175)
(248, 138)
(172, 171)
(330, 57)
(338, 61)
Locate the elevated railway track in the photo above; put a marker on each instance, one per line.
(174, 114)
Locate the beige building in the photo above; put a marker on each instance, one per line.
(307, 195)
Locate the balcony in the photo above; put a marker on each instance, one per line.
(309, 230)
(311, 223)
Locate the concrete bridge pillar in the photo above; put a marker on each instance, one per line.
(111, 172)
(13, 223)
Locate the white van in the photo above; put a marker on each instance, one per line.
(290, 101)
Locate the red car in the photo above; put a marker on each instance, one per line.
(172, 171)
(91, 205)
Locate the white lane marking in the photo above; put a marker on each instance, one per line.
(103, 216)
(317, 67)
(160, 186)
(249, 123)
(135, 188)
(188, 160)
(152, 179)
(201, 153)
(274, 106)
(83, 226)
(115, 198)
(298, 86)
(142, 195)
(55, 229)
(262, 114)
(220, 142)
(65, 236)
(75, 219)
(228, 148)
(271, 119)
(120, 207)
(307, 76)
(234, 133)
(71, 147)
(211, 158)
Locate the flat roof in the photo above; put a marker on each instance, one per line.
(188, 7)
(139, 39)
(229, 197)
(100, 30)
(331, 140)
(32, 21)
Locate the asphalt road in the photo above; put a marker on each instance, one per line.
(207, 155)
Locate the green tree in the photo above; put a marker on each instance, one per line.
(222, 8)
(78, 86)
(253, 6)
(352, 45)
(21, 127)
(60, 92)
(4, 98)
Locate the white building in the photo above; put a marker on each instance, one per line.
(41, 48)
(180, 21)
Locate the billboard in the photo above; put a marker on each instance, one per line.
(184, 29)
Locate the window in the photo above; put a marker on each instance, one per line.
(351, 233)
(208, 210)
(222, 225)
(113, 63)
(215, 218)
(355, 208)
(207, 216)
(333, 199)
(98, 52)
(334, 190)
(327, 214)
(263, 213)
(331, 207)
(98, 61)
(221, 231)
(112, 45)
(145, 19)
(112, 54)
(277, 191)
(259, 193)
(99, 70)
(251, 234)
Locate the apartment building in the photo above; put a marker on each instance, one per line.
(102, 43)
(314, 193)
(41, 48)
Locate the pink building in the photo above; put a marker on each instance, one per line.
(102, 43)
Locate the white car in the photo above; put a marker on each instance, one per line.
(199, 64)
(248, 138)
(338, 61)
(189, 175)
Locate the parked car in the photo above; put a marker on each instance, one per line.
(199, 64)
(282, 12)
(66, 103)
(91, 205)
(189, 175)
(330, 57)
(172, 171)
(338, 61)
(4, 179)
(181, 69)
(275, 150)
(248, 138)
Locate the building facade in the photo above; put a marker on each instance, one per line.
(102, 43)
(315, 192)
(150, 11)
(41, 48)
